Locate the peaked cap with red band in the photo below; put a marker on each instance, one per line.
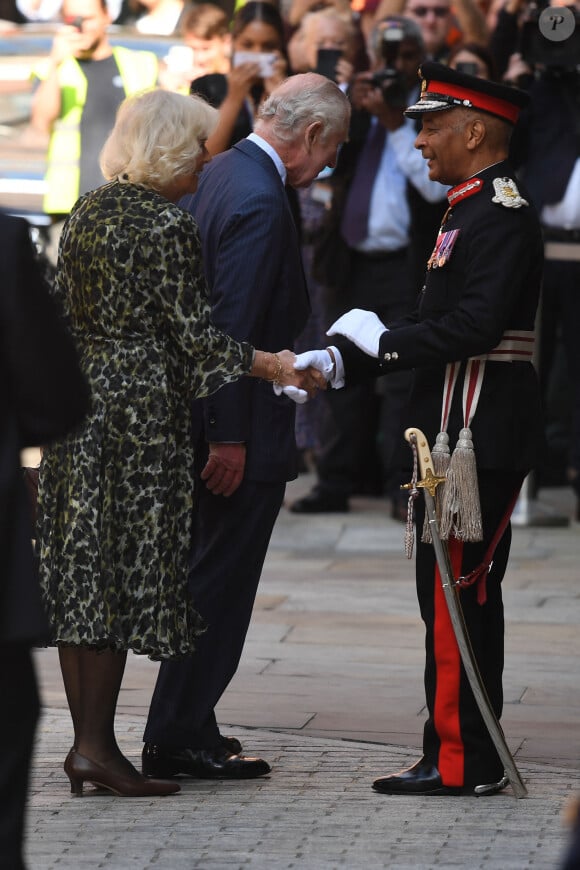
(444, 88)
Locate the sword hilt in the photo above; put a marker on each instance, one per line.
(418, 441)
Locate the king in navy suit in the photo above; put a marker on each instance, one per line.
(245, 444)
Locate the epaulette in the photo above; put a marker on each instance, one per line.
(507, 193)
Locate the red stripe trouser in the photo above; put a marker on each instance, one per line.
(455, 738)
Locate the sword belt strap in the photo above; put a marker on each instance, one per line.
(480, 573)
(515, 345)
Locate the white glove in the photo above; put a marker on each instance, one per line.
(318, 359)
(294, 393)
(361, 327)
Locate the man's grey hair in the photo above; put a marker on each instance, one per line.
(302, 100)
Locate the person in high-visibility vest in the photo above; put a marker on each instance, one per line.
(81, 87)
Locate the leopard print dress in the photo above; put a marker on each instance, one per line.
(115, 498)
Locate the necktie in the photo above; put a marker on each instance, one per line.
(354, 226)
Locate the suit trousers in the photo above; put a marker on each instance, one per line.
(20, 710)
(561, 309)
(351, 432)
(455, 738)
(230, 540)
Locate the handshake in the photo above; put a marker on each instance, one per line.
(311, 372)
(314, 369)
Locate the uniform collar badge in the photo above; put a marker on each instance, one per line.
(507, 194)
(463, 190)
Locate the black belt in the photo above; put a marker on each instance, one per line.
(557, 234)
(381, 256)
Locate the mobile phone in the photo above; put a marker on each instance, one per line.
(76, 22)
(264, 59)
(470, 69)
(179, 58)
(326, 60)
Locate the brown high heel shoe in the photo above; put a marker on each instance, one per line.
(80, 770)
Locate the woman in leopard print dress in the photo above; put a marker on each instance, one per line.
(115, 500)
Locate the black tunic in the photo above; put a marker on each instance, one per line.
(489, 284)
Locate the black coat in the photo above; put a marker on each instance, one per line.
(42, 396)
(490, 284)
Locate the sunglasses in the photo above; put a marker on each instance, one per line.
(422, 11)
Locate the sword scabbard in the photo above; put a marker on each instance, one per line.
(428, 484)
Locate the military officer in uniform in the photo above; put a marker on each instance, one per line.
(470, 342)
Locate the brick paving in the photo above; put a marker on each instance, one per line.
(330, 692)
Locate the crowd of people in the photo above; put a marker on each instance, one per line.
(393, 176)
(234, 59)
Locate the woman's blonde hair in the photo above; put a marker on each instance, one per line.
(156, 138)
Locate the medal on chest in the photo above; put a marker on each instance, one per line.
(443, 248)
(446, 239)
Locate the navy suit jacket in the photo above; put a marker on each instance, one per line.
(258, 294)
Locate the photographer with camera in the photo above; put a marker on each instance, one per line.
(381, 227)
(546, 43)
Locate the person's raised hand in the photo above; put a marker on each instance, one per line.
(344, 71)
(391, 117)
(68, 42)
(240, 80)
(359, 89)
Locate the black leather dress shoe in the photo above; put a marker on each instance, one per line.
(216, 763)
(422, 778)
(318, 502)
(232, 744)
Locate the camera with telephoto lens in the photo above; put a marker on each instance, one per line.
(392, 83)
(393, 87)
(550, 36)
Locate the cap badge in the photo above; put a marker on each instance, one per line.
(507, 194)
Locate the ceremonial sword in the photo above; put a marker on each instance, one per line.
(428, 484)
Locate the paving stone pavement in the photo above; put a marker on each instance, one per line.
(316, 810)
(330, 692)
